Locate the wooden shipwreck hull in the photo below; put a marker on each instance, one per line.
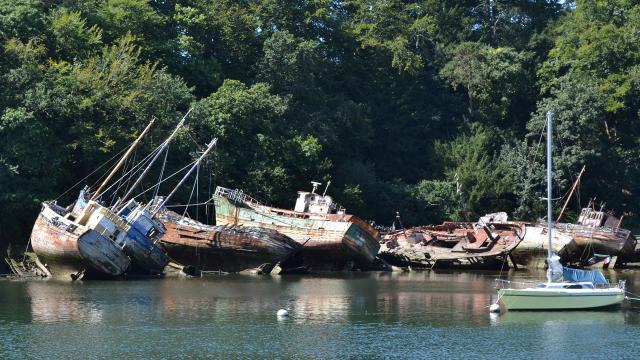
(453, 244)
(223, 248)
(330, 241)
(532, 251)
(70, 250)
(598, 239)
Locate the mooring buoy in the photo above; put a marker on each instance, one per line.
(282, 313)
(494, 308)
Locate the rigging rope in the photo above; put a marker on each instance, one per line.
(164, 163)
(191, 194)
(137, 167)
(167, 178)
(91, 173)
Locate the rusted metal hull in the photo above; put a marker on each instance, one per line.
(330, 242)
(69, 251)
(223, 248)
(453, 245)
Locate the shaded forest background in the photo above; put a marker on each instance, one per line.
(431, 108)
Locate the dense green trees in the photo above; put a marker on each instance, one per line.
(431, 108)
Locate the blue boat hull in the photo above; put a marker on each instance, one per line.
(147, 257)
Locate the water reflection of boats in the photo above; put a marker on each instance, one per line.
(53, 302)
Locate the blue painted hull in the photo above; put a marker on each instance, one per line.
(147, 258)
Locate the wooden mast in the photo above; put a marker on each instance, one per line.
(122, 160)
(573, 188)
(146, 170)
(195, 165)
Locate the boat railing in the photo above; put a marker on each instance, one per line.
(521, 284)
(236, 195)
(510, 284)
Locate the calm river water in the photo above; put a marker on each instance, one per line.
(368, 316)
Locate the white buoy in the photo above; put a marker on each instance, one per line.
(283, 313)
(494, 308)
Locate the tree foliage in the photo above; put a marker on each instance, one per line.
(433, 109)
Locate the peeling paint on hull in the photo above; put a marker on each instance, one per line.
(223, 248)
(329, 242)
(70, 251)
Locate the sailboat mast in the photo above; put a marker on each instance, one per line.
(146, 170)
(195, 165)
(122, 160)
(549, 176)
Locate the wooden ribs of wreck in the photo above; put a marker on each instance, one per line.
(453, 244)
(223, 248)
(70, 251)
(330, 241)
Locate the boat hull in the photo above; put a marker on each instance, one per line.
(560, 299)
(147, 258)
(601, 240)
(70, 251)
(223, 248)
(449, 245)
(330, 242)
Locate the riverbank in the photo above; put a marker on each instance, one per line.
(341, 315)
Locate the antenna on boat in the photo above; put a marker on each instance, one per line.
(124, 157)
(325, 189)
(315, 186)
(146, 170)
(195, 165)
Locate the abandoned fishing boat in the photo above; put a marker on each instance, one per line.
(565, 288)
(531, 253)
(145, 231)
(331, 239)
(71, 247)
(596, 234)
(453, 244)
(224, 248)
(88, 238)
(139, 228)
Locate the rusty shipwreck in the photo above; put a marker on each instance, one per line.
(71, 247)
(453, 244)
(224, 248)
(330, 238)
(596, 234)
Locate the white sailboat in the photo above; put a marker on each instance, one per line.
(565, 288)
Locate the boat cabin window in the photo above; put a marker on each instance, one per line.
(573, 286)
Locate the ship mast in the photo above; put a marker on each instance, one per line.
(148, 168)
(96, 194)
(195, 165)
(549, 201)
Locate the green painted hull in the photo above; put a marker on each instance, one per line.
(328, 244)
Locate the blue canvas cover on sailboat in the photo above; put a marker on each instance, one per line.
(577, 275)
